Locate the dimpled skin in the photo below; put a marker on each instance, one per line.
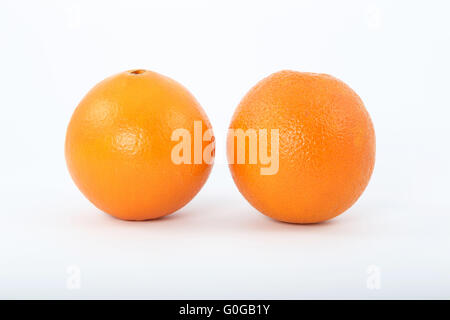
(326, 146)
(118, 145)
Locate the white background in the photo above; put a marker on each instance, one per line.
(394, 54)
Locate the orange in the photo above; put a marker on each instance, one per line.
(326, 147)
(119, 145)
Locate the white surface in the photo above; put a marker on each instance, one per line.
(394, 54)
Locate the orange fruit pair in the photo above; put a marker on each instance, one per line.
(301, 146)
